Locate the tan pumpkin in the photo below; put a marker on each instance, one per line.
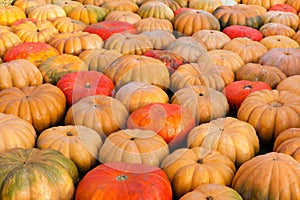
(270, 112)
(290, 84)
(28, 5)
(8, 40)
(249, 50)
(39, 31)
(231, 137)
(173, 4)
(160, 39)
(123, 16)
(279, 41)
(205, 103)
(135, 95)
(101, 113)
(9, 14)
(47, 12)
(155, 9)
(134, 146)
(257, 72)
(138, 68)
(265, 3)
(216, 77)
(15, 133)
(76, 42)
(151, 24)
(271, 29)
(43, 105)
(92, 2)
(190, 21)
(68, 5)
(78, 143)
(296, 37)
(286, 59)
(287, 18)
(211, 38)
(189, 168)
(19, 73)
(128, 43)
(123, 5)
(207, 5)
(98, 59)
(67, 25)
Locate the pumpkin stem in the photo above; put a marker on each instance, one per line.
(132, 138)
(87, 85)
(275, 104)
(201, 95)
(209, 198)
(122, 177)
(247, 87)
(69, 133)
(200, 161)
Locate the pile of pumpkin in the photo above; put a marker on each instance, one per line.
(150, 99)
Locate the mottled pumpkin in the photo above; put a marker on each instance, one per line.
(271, 29)
(67, 25)
(152, 24)
(9, 14)
(211, 38)
(290, 84)
(28, 5)
(287, 18)
(155, 9)
(68, 5)
(47, 12)
(235, 31)
(123, 5)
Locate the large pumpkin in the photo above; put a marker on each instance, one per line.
(155, 9)
(290, 84)
(279, 41)
(37, 174)
(140, 181)
(43, 105)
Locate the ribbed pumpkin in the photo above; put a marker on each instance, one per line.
(211, 38)
(138, 68)
(279, 41)
(28, 5)
(296, 37)
(47, 12)
(37, 174)
(135, 95)
(67, 25)
(152, 24)
(123, 16)
(99, 59)
(134, 146)
(8, 40)
(139, 180)
(124, 5)
(282, 182)
(207, 5)
(9, 14)
(35, 52)
(15, 133)
(43, 105)
(173, 4)
(265, 3)
(189, 168)
(205, 103)
(93, 2)
(290, 84)
(102, 113)
(160, 39)
(287, 18)
(68, 5)
(283, 7)
(257, 72)
(294, 3)
(270, 112)
(235, 31)
(271, 29)
(78, 143)
(155, 9)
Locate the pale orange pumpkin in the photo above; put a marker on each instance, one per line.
(123, 5)
(287, 18)
(207, 5)
(151, 24)
(8, 40)
(211, 38)
(160, 39)
(155, 9)
(271, 29)
(279, 41)
(123, 16)
(290, 84)
(9, 14)
(28, 5)
(265, 3)
(47, 12)
(67, 25)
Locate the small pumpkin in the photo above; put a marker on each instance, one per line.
(67, 25)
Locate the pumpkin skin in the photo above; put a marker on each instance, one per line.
(123, 16)
(9, 14)
(296, 37)
(67, 25)
(19, 73)
(47, 12)
(271, 29)
(173, 4)
(211, 38)
(32, 174)
(123, 5)
(237, 91)
(294, 3)
(140, 180)
(153, 24)
(8, 40)
(93, 2)
(179, 10)
(35, 52)
(267, 4)
(160, 39)
(89, 14)
(283, 7)
(207, 5)
(282, 171)
(235, 31)
(205, 103)
(102, 113)
(290, 84)
(257, 72)
(68, 5)
(20, 132)
(135, 95)
(212, 191)
(28, 5)
(78, 143)
(270, 112)
(279, 41)
(287, 18)
(155, 9)
(106, 28)
(188, 168)
(43, 105)
(134, 146)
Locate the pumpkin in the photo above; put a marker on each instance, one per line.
(19, 73)
(139, 180)
(123, 16)
(279, 41)
(207, 5)
(216, 77)
(76, 42)
(211, 38)
(135, 95)
(257, 72)
(93, 2)
(128, 43)
(32, 174)
(155, 9)
(205, 103)
(134, 146)
(296, 37)
(35, 52)
(282, 182)
(188, 168)
(237, 91)
(8, 40)
(47, 12)
(28, 5)
(173, 4)
(123, 5)
(138, 68)
(267, 4)
(283, 7)
(89, 14)
(249, 50)
(169, 58)
(78, 85)
(43, 105)
(106, 28)
(270, 112)
(271, 29)
(78, 143)
(179, 10)
(67, 25)
(290, 84)
(101, 113)
(212, 191)
(152, 24)
(98, 59)
(15, 133)
(286, 59)
(40, 31)
(160, 39)
(68, 5)
(9, 14)
(294, 3)
(190, 21)
(235, 31)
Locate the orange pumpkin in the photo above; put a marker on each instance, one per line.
(9, 14)
(123, 16)
(265, 3)
(287, 18)
(67, 25)
(151, 24)
(207, 5)
(279, 41)
(47, 12)
(123, 5)
(271, 29)
(8, 40)
(155, 9)
(290, 84)
(211, 38)
(28, 5)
